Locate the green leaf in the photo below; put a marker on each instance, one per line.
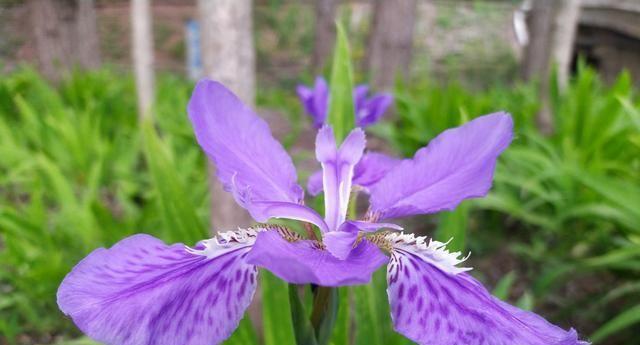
(276, 316)
(245, 334)
(622, 321)
(504, 286)
(302, 327)
(324, 312)
(343, 323)
(341, 109)
(177, 210)
(453, 226)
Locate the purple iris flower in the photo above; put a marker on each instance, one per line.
(142, 291)
(368, 110)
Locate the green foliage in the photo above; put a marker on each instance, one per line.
(341, 114)
(574, 193)
(78, 172)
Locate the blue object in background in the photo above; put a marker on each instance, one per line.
(193, 57)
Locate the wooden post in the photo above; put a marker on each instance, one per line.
(325, 32)
(65, 34)
(142, 48)
(391, 41)
(552, 30)
(228, 56)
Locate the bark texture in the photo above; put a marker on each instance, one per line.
(142, 50)
(65, 35)
(325, 32)
(391, 41)
(552, 30)
(229, 57)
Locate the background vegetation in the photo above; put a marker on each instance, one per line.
(559, 233)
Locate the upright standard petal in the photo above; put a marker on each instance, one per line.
(315, 100)
(337, 171)
(434, 303)
(143, 292)
(371, 168)
(371, 110)
(456, 165)
(249, 161)
(300, 261)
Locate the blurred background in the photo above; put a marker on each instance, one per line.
(95, 143)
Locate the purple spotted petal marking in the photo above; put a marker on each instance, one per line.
(434, 302)
(142, 291)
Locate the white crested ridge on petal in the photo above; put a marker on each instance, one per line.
(224, 242)
(431, 251)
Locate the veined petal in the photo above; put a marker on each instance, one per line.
(458, 164)
(433, 302)
(315, 100)
(265, 210)
(142, 291)
(303, 261)
(249, 161)
(371, 168)
(337, 171)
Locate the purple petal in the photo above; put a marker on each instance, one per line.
(372, 109)
(372, 168)
(315, 101)
(266, 210)
(360, 93)
(142, 291)
(337, 171)
(432, 304)
(340, 243)
(457, 165)
(304, 262)
(369, 170)
(249, 161)
(314, 184)
(356, 225)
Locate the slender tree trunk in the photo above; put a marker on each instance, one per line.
(552, 29)
(229, 57)
(87, 33)
(142, 49)
(391, 41)
(65, 34)
(325, 32)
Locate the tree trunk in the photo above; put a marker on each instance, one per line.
(229, 57)
(142, 48)
(552, 29)
(391, 41)
(325, 32)
(65, 34)
(87, 33)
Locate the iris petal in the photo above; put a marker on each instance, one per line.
(142, 291)
(337, 171)
(458, 164)
(432, 304)
(249, 161)
(304, 261)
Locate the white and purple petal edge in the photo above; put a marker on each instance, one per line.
(435, 306)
